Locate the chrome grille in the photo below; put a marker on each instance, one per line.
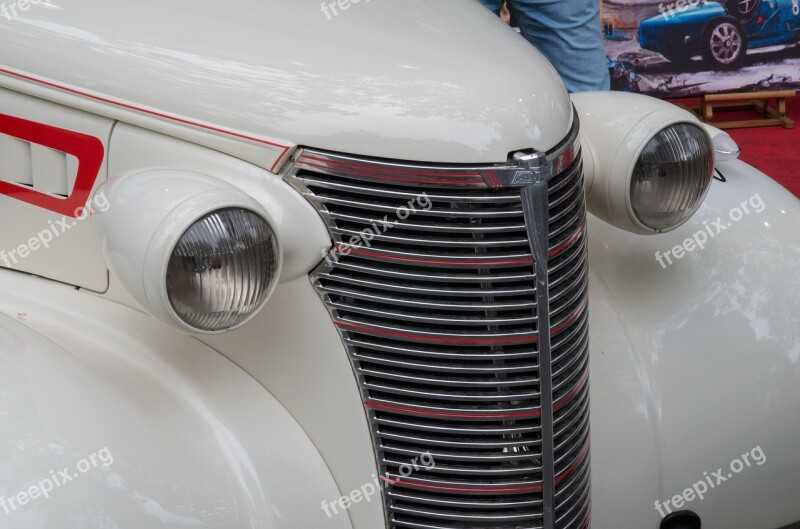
(439, 315)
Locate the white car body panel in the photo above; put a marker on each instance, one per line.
(692, 365)
(195, 441)
(304, 370)
(697, 364)
(279, 89)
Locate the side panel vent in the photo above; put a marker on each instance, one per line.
(52, 160)
(38, 167)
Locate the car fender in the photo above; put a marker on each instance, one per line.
(697, 363)
(193, 440)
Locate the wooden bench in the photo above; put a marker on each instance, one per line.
(755, 101)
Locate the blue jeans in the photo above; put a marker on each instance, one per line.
(567, 32)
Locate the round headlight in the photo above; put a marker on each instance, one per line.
(672, 176)
(222, 269)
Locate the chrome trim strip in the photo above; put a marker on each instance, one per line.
(517, 173)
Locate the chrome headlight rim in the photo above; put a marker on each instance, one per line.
(271, 269)
(617, 126)
(627, 159)
(169, 233)
(700, 181)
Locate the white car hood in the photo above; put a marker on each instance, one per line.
(424, 80)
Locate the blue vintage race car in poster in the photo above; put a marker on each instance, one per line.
(720, 32)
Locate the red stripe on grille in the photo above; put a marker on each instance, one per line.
(438, 339)
(405, 483)
(572, 319)
(585, 523)
(393, 179)
(332, 162)
(392, 257)
(569, 242)
(563, 401)
(493, 179)
(575, 464)
(523, 414)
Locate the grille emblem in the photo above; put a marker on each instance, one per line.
(522, 178)
(535, 168)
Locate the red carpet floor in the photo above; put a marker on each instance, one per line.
(772, 150)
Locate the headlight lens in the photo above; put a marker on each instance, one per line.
(672, 177)
(222, 269)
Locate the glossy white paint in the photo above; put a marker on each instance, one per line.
(423, 80)
(291, 347)
(294, 350)
(196, 442)
(698, 363)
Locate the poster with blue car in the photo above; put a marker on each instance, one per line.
(685, 48)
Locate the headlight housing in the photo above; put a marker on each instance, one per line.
(648, 164)
(202, 256)
(222, 269)
(672, 176)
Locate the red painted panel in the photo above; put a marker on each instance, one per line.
(87, 149)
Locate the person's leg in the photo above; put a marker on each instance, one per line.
(493, 5)
(568, 33)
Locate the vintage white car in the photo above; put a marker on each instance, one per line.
(278, 265)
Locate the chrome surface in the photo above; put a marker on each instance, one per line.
(441, 317)
(535, 205)
(359, 172)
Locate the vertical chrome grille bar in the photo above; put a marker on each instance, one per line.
(535, 200)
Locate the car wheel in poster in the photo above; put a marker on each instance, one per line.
(724, 43)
